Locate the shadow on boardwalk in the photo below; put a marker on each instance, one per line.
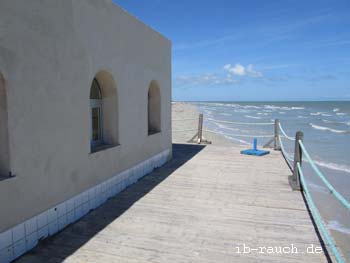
(62, 245)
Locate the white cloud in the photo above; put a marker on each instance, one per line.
(227, 77)
(241, 70)
(238, 69)
(227, 67)
(252, 72)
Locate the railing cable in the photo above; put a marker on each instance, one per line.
(242, 123)
(186, 130)
(317, 217)
(284, 133)
(284, 152)
(186, 119)
(244, 135)
(332, 190)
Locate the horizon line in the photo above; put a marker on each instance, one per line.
(291, 100)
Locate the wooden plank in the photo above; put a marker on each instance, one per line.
(199, 207)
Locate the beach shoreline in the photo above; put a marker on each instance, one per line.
(185, 125)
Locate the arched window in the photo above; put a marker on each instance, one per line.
(4, 139)
(103, 112)
(96, 114)
(154, 108)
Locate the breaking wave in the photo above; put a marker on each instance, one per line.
(252, 117)
(274, 107)
(334, 166)
(225, 127)
(324, 114)
(336, 122)
(317, 113)
(209, 113)
(322, 128)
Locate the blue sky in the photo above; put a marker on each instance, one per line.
(253, 50)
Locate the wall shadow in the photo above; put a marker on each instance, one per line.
(60, 246)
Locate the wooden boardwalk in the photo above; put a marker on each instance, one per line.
(203, 206)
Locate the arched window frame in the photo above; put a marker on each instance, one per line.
(106, 100)
(96, 111)
(154, 108)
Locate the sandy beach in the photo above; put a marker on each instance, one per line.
(185, 125)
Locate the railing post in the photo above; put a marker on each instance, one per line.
(276, 144)
(200, 128)
(297, 159)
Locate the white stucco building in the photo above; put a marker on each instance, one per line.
(85, 93)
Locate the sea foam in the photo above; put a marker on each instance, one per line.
(334, 166)
(336, 122)
(323, 128)
(253, 117)
(317, 113)
(273, 107)
(232, 138)
(225, 127)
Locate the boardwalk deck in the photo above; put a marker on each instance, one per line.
(199, 207)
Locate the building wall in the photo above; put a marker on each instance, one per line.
(50, 51)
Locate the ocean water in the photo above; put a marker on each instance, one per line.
(326, 128)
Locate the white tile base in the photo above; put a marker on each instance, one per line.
(25, 236)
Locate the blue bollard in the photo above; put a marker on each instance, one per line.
(255, 144)
(255, 150)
